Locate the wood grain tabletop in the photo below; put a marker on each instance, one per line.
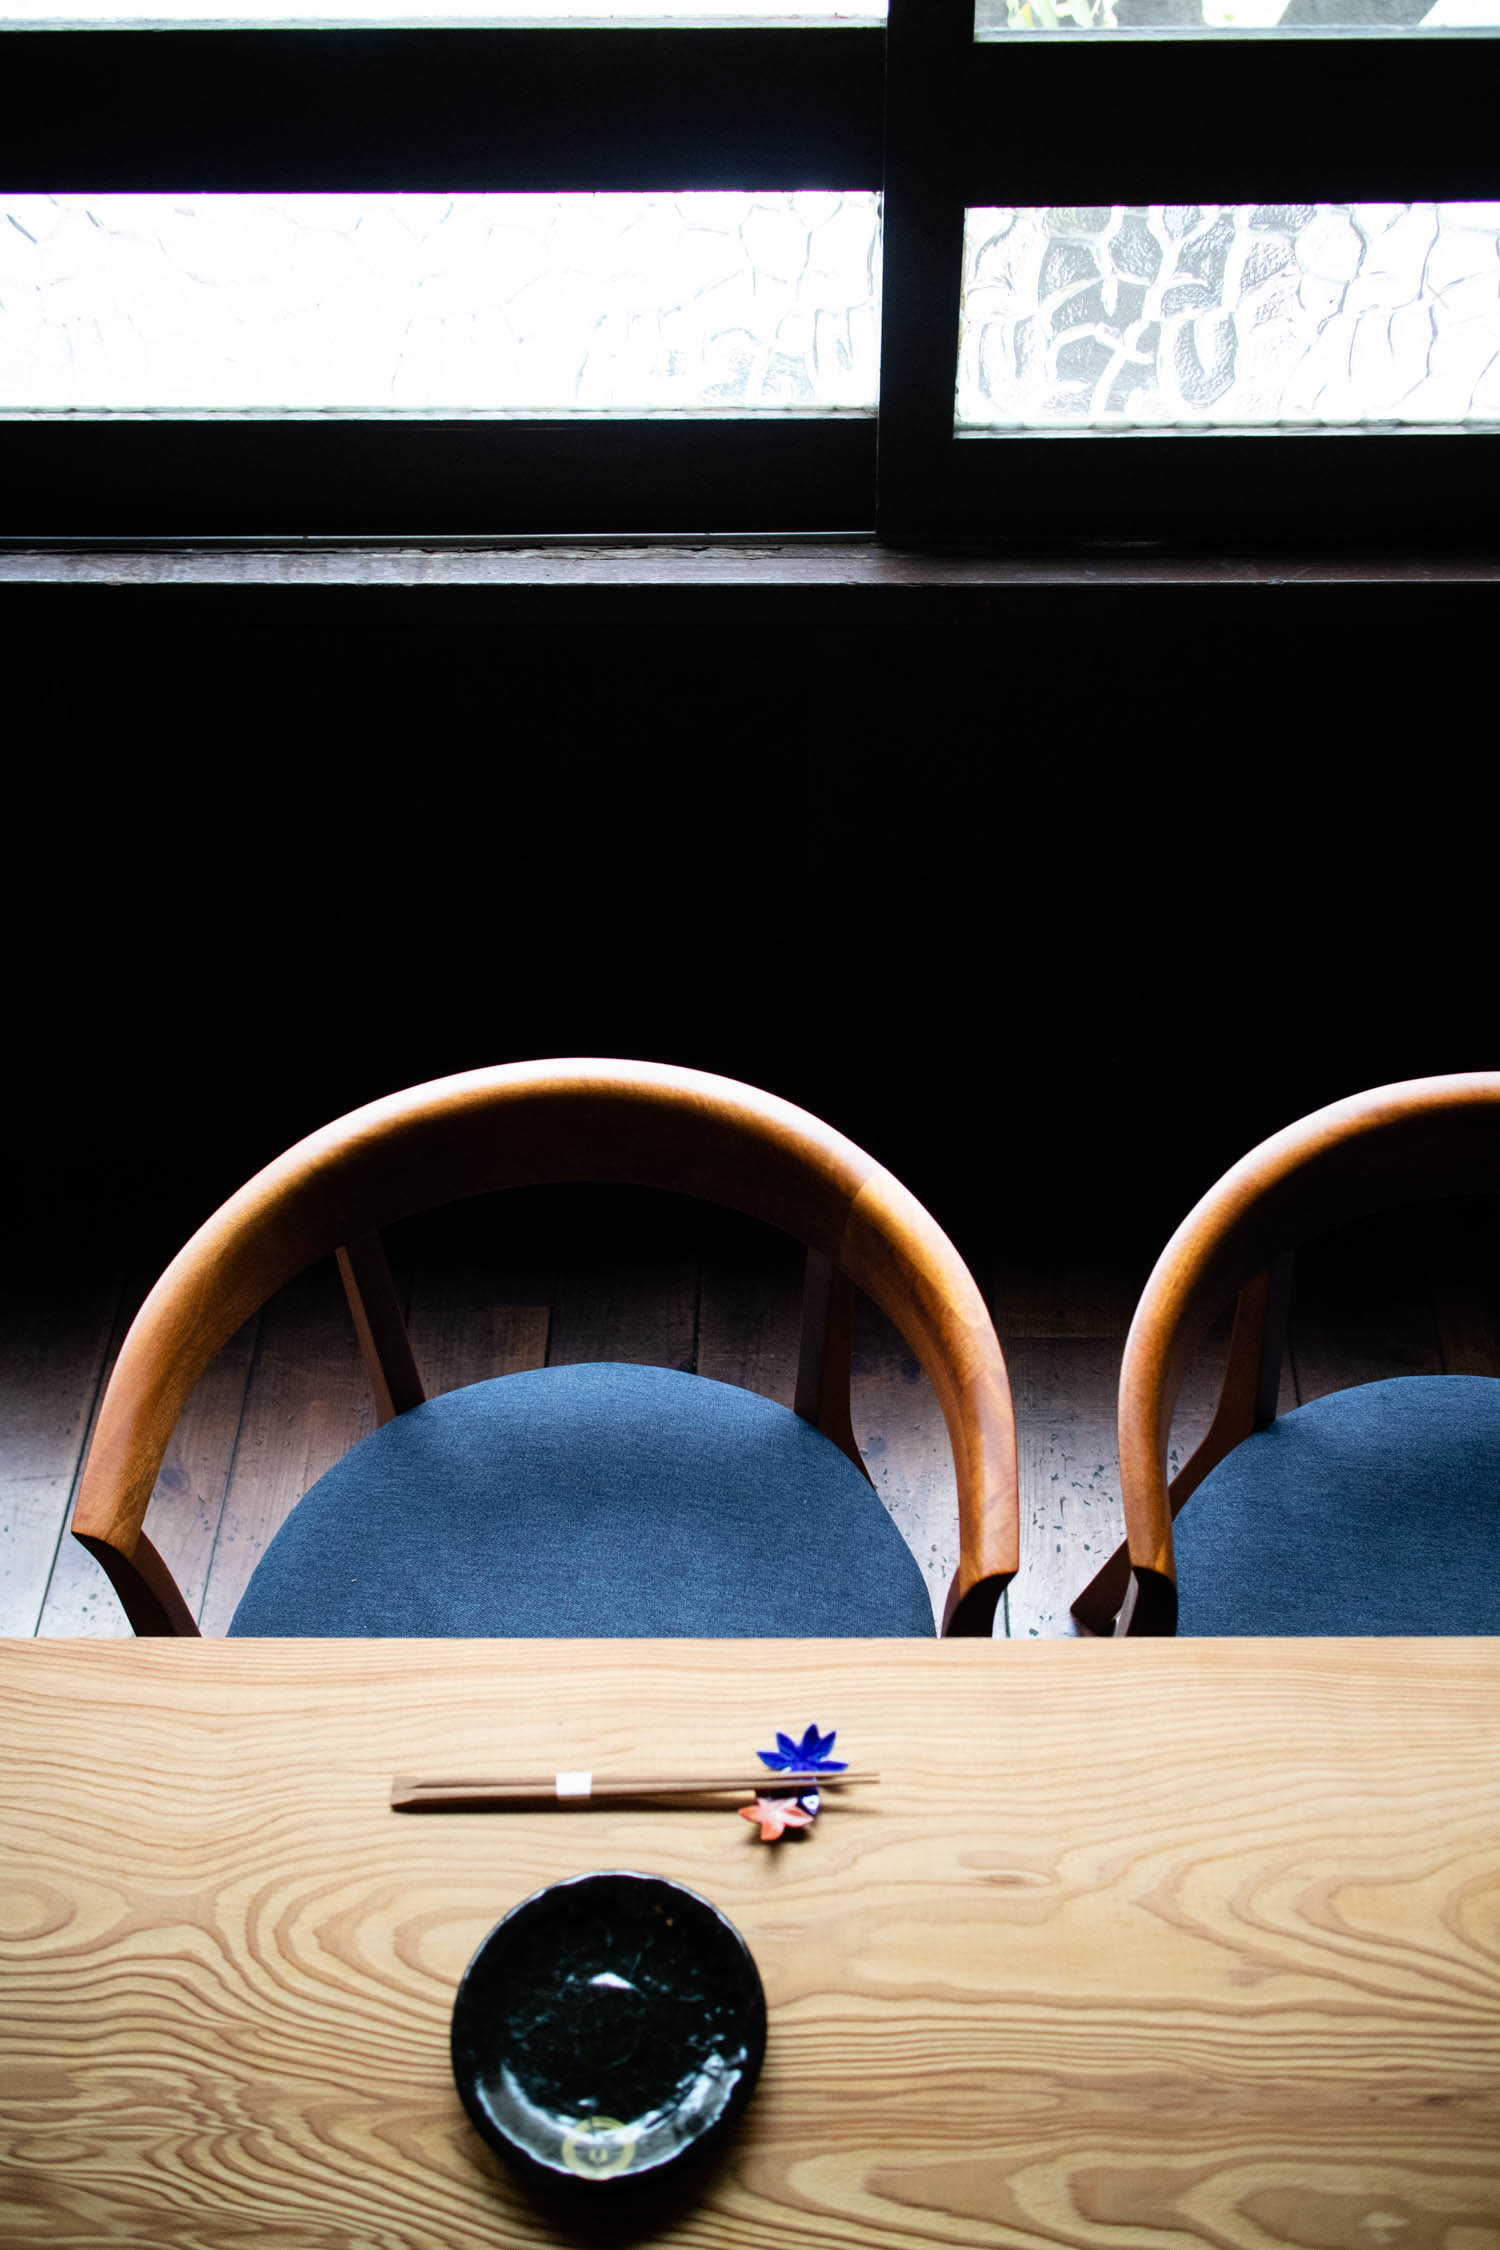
(1150, 1944)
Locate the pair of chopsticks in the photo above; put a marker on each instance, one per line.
(570, 1791)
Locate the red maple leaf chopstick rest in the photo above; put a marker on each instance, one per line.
(777, 1814)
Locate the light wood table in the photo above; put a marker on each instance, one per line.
(1153, 1943)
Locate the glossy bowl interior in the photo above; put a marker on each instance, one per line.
(608, 2027)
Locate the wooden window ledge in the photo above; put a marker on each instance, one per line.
(851, 562)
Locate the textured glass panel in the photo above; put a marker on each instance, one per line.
(1001, 19)
(68, 15)
(1245, 315)
(439, 304)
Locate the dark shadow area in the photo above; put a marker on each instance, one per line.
(1056, 899)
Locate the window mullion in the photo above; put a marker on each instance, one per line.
(929, 51)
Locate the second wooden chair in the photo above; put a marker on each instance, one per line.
(1375, 1510)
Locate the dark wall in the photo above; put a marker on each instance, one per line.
(1057, 899)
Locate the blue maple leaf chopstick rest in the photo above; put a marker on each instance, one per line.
(777, 1811)
(810, 1755)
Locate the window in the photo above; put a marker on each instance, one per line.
(1204, 149)
(599, 270)
(472, 117)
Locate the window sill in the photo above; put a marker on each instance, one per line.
(854, 562)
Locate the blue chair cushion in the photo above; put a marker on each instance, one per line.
(1374, 1510)
(590, 1501)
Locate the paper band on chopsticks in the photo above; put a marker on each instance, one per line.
(575, 1785)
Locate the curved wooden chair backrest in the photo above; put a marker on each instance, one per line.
(1414, 1142)
(525, 1124)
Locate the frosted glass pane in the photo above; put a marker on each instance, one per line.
(1004, 19)
(69, 15)
(1230, 316)
(439, 304)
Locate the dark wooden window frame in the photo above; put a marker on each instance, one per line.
(942, 123)
(445, 110)
(1165, 117)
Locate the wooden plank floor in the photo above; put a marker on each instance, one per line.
(507, 1283)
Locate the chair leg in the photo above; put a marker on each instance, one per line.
(1097, 1607)
(149, 1595)
(383, 1340)
(1247, 1402)
(823, 1362)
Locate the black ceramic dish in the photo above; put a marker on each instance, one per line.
(608, 2027)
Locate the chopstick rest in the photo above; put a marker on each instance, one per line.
(774, 1810)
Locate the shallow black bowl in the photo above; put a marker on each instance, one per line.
(608, 2027)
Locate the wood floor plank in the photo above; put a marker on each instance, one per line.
(1062, 1315)
(1064, 1389)
(749, 1306)
(1040, 1289)
(1362, 1306)
(627, 1281)
(80, 1604)
(185, 1511)
(55, 1332)
(1463, 1266)
(306, 1403)
(57, 1381)
(899, 1427)
(187, 1502)
(460, 1344)
(479, 1296)
(33, 1520)
(1066, 1392)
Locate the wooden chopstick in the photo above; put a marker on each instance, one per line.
(412, 1795)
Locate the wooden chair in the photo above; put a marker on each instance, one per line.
(574, 1501)
(1374, 1510)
